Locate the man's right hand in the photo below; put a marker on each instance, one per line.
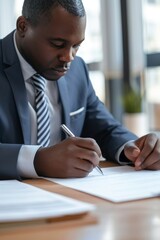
(73, 157)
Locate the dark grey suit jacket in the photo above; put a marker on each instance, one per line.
(83, 113)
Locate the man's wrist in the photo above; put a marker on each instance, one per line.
(38, 162)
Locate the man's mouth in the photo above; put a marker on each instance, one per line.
(56, 72)
(62, 69)
(59, 71)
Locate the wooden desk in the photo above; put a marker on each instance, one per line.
(137, 220)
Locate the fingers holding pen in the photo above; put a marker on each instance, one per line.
(87, 149)
(91, 143)
(91, 153)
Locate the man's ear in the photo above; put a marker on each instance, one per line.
(22, 26)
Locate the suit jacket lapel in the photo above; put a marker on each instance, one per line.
(14, 75)
(63, 92)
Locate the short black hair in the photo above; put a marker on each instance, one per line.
(34, 9)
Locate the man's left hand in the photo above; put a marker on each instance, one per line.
(144, 152)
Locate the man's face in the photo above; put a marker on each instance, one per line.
(52, 44)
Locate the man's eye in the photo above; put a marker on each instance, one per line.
(57, 45)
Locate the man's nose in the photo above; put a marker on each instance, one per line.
(67, 55)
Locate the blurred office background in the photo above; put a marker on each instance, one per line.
(122, 49)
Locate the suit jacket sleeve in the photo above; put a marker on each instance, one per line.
(95, 120)
(8, 161)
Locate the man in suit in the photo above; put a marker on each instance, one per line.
(46, 40)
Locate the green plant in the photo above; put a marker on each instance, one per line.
(132, 101)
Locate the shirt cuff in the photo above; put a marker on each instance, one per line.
(120, 157)
(25, 162)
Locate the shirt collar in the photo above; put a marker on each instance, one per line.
(27, 69)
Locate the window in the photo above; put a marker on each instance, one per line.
(18, 7)
(152, 49)
(91, 49)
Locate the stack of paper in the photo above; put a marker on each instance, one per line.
(21, 202)
(118, 184)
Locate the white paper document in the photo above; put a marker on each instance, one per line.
(118, 184)
(21, 202)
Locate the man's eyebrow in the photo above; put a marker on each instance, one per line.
(64, 40)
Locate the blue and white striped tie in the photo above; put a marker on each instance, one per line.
(43, 120)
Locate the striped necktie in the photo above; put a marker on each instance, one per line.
(43, 121)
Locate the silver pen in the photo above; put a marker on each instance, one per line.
(70, 134)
